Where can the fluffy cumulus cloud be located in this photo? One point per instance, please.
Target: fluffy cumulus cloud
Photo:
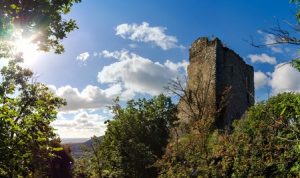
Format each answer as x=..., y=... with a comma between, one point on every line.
x=82, y=125
x=263, y=58
x=260, y=79
x=285, y=78
x=137, y=74
x=83, y=56
x=177, y=66
x=145, y=33
x=91, y=97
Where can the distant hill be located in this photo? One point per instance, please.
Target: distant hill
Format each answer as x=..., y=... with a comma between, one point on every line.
x=74, y=140
x=76, y=150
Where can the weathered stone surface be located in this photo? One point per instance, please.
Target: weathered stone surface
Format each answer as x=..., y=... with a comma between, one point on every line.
x=219, y=73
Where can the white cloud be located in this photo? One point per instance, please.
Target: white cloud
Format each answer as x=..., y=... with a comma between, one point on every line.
x=119, y=55
x=276, y=49
x=133, y=45
x=113, y=91
x=260, y=79
x=176, y=66
x=52, y=88
x=83, y=56
x=145, y=33
x=270, y=42
x=137, y=74
x=271, y=39
x=83, y=125
x=285, y=78
x=90, y=97
x=263, y=58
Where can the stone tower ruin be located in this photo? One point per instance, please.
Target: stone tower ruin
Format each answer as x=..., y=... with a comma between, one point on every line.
x=222, y=82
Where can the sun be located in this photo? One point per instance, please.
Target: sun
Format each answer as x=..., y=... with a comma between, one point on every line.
x=26, y=46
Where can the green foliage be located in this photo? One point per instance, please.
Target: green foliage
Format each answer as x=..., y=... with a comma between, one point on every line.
x=26, y=111
x=89, y=165
x=27, y=108
x=83, y=168
x=265, y=143
x=298, y=13
x=296, y=64
x=44, y=19
x=61, y=162
x=136, y=138
x=191, y=154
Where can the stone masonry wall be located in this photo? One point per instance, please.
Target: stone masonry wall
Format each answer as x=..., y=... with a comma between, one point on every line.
x=201, y=77
x=233, y=72
x=214, y=68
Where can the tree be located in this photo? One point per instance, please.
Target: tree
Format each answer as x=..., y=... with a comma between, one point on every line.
x=266, y=142
x=189, y=153
x=62, y=161
x=83, y=167
x=282, y=36
x=41, y=19
x=136, y=137
x=27, y=109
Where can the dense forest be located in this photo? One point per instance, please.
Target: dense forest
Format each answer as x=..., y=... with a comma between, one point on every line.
x=145, y=137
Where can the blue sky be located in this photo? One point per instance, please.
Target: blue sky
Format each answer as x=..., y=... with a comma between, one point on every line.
x=131, y=48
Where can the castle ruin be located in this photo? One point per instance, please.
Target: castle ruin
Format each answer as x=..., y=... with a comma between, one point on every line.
x=221, y=81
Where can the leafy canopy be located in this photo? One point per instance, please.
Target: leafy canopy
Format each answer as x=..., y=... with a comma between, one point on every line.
x=27, y=109
x=42, y=19
x=265, y=143
x=136, y=137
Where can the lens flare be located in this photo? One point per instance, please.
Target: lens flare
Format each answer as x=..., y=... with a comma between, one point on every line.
x=25, y=46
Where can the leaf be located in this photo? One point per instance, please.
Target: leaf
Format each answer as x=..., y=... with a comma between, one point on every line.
x=282, y=112
x=296, y=64
x=13, y=6
x=58, y=149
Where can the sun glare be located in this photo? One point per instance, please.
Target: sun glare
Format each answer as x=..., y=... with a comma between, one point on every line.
x=26, y=47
